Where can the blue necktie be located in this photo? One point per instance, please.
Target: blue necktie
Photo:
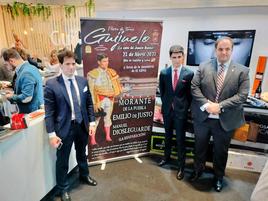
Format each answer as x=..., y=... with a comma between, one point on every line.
x=77, y=110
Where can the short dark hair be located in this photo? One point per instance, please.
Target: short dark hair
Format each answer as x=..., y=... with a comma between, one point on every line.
x=224, y=38
x=101, y=56
x=65, y=54
x=176, y=49
x=11, y=54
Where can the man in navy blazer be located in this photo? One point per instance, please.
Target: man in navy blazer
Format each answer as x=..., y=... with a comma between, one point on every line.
x=69, y=117
x=175, y=92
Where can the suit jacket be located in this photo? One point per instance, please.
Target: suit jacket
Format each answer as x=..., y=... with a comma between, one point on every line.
x=28, y=89
x=58, y=112
x=233, y=94
x=179, y=99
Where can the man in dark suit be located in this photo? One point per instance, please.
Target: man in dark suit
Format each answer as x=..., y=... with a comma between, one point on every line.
x=219, y=88
x=69, y=117
x=175, y=92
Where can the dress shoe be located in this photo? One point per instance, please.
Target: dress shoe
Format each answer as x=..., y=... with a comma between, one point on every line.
x=218, y=185
x=162, y=163
x=65, y=197
x=195, y=176
x=180, y=174
x=88, y=180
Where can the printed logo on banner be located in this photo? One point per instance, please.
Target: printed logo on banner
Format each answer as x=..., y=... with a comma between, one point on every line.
x=88, y=49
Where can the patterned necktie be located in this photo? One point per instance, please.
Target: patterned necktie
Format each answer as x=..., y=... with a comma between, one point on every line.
x=175, y=79
x=220, y=80
x=77, y=110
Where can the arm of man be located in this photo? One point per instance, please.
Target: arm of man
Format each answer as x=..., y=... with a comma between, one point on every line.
x=54, y=140
x=91, y=114
x=213, y=108
x=50, y=109
x=188, y=87
x=90, y=107
x=161, y=84
x=28, y=83
x=241, y=96
x=196, y=88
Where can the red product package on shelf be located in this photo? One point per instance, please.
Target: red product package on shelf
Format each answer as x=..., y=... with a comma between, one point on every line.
x=18, y=121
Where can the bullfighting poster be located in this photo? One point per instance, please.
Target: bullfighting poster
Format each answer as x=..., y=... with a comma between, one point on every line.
x=120, y=60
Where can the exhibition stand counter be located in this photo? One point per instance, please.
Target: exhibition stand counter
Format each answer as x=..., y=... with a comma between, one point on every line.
x=27, y=169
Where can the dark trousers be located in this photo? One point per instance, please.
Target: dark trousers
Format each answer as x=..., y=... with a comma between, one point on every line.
x=221, y=141
x=79, y=136
x=172, y=122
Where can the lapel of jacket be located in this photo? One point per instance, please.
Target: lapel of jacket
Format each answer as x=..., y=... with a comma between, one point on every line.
x=183, y=70
x=80, y=88
x=169, y=78
x=64, y=90
x=214, y=72
x=228, y=75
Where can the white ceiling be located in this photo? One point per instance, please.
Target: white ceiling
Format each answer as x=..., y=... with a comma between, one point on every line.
x=102, y=5
x=110, y=5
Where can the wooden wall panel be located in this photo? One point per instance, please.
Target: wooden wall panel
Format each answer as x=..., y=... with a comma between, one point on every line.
x=40, y=35
x=3, y=39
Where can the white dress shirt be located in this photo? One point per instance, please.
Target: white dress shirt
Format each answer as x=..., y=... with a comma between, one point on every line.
x=68, y=88
x=203, y=107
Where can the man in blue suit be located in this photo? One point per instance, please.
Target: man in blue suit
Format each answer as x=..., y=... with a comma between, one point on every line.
x=175, y=92
x=28, y=89
x=69, y=117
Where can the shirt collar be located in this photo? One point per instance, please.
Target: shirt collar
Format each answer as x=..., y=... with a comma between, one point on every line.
x=226, y=64
x=65, y=78
x=177, y=68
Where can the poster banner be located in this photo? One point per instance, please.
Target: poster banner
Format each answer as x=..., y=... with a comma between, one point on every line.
x=120, y=60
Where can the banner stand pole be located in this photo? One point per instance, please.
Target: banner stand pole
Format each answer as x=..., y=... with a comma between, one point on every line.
x=133, y=156
x=137, y=158
x=103, y=165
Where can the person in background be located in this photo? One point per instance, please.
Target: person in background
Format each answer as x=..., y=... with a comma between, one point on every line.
x=260, y=191
x=69, y=118
x=35, y=58
x=78, y=50
x=18, y=42
x=28, y=89
x=175, y=93
x=219, y=89
x=202, y=49
x=26, y=57
x=54, y=65
x=104, y=86
x=6, y=70
x=53, y=58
